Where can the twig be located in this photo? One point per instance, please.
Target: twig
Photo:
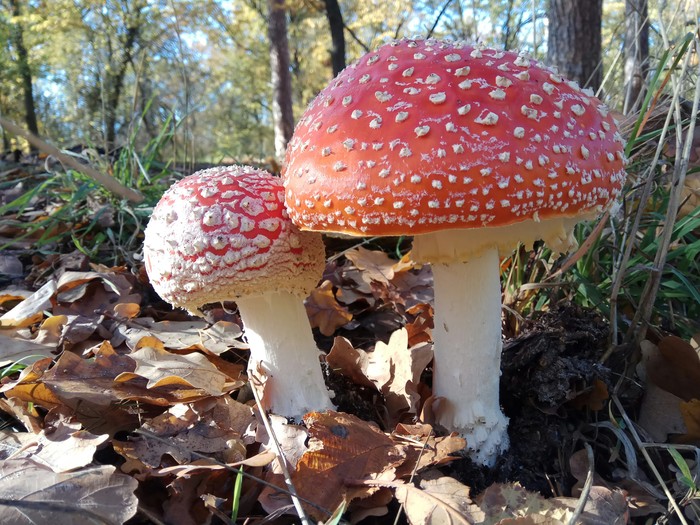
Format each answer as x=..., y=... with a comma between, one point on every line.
x=282, y=460
x=651, y=464
x=586, y=486
x=105, y=180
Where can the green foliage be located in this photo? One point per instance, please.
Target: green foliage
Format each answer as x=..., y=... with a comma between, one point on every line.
x=80, y=214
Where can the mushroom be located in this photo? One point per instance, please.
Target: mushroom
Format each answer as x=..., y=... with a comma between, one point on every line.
x=224, y=234
x=471, y=150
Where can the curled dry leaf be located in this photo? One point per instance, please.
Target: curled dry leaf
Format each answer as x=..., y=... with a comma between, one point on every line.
x=163, y=368
x=62, y=447
x=395, y=369
x=424, y=449
x=93, y=494
x=182, y=335
x=439, y=500
x=376, y=265
x=349, y=361
x=31, y=310
x=220, y=425
x=343, y=450
x=324, y=311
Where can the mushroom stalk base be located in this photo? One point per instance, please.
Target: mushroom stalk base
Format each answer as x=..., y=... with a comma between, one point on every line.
x=283, y=354
x=466, y=366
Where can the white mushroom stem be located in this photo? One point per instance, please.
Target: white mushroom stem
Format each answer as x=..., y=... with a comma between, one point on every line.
x=467, y=359
x=282, y=348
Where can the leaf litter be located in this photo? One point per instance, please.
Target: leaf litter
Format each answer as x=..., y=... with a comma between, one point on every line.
x=123, y=400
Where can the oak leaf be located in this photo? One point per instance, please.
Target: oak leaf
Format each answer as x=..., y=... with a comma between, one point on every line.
x=163, y=368
x=343, y=450
x=93, y=494
x=324, y=311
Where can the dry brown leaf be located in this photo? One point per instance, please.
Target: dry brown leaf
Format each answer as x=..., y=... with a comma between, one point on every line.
x=62, y=446
x=183, y=335
x=93, y=494
x=594, y=399
x=419, y=329
x=343, y=450
x=395, y=369
x=676, y=368
x=690, y=411
x=163, y=368
x=13, y=349
x=439, y=500
x=424, y=449
x=376, y=265
x=88, y=379
x=603, y=506
x=350, y=362
x=31, y=310
x=208, y=426
x=29, y=387
x=324, y=311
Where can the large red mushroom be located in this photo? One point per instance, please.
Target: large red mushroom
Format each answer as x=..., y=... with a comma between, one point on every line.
x=223, y=234
x=472, y=150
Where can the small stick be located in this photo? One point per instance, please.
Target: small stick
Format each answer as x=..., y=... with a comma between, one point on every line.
x=282, y=460
x=105, y=180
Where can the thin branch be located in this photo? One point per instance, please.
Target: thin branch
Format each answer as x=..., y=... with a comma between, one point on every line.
x=437, y=19
x=108, y=182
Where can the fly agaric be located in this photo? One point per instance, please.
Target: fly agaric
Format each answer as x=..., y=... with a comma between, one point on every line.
x=471, y=150
x=224, y=234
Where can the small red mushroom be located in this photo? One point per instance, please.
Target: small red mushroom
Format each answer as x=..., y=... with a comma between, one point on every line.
x=223, y=234
x=472, y=150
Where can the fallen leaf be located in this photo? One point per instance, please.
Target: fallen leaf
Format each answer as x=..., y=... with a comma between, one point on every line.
x=375, y=265
x=31, y=310
x=439, y=500
x=676, y=368
x=163, y=368
x=208, y=426
x=324, y=311
x=184, y=335
x=62, y=446
x=17, y=349
x=92, y=494
x=396, y=369
x=28, y=386
x=350, y=362
x=342, y=449
x=424, y=449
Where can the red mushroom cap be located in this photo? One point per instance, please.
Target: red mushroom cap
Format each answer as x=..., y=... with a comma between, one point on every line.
x=223, y=233
x=425, y=135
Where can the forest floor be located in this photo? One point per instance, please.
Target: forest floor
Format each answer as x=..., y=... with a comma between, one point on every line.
x=114, y=407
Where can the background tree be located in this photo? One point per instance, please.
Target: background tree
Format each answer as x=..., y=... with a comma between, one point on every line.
x=23, y=68
x=636, y=51
x=574, y=40
x=282, y=110
x=337, y=29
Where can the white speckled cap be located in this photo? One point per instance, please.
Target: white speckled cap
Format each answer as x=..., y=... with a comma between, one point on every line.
x=223, y=233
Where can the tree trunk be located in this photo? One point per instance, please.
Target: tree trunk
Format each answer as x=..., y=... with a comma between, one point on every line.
x=25, y=71
x=119, y=62
x=574, y=40
x=636, y=52
x=282, y=114
x=337, y=28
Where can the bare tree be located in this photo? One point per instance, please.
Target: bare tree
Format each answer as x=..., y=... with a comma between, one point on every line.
x=282, y=113
x=337, y=28
x=636, y=52
x=574, y=40
x=25, y=72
